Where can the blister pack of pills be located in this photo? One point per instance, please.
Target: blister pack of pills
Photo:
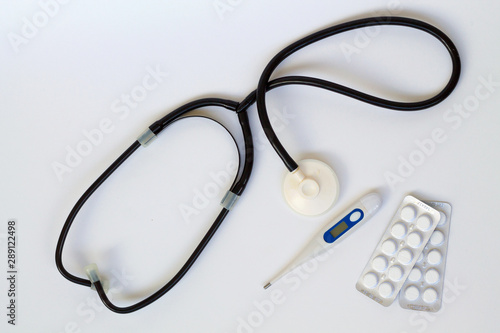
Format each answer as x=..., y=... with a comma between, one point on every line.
x=423, y=290
x=398, y=250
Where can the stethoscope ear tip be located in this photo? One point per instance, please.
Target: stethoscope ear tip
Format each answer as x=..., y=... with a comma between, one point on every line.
x=94, y=276
x=312, y=188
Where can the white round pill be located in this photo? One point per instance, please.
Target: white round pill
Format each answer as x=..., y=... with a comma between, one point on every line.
x=370, y=280
x=412, y=293
x=398, y=230
x=432, y=276
x=414, y=239
x=379, y=263
x=395, y=273
x=424, y=222
x=405, y=256
x=408, y=213
x=430, y=295
x=386, y=289
x=389, y=247
x=434, y=257
x=443, y=219
x=415, y=274
x=437, y=238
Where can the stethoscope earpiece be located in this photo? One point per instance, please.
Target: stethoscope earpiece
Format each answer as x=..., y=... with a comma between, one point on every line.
x=312, y=188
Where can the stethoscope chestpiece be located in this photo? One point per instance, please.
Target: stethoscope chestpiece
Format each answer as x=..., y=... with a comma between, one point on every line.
x=312, y=188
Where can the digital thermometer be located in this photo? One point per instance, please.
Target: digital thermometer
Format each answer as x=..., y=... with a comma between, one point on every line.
x=332, y=233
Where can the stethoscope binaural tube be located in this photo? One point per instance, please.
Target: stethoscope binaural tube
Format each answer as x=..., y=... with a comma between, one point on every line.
x=237, y=188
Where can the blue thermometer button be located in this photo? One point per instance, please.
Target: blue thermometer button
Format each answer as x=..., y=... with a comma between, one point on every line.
x=341, y=227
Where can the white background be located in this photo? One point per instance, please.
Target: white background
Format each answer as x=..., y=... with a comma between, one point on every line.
x=69, y=75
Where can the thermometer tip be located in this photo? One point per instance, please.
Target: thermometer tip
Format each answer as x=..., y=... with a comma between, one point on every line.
x=267, y=285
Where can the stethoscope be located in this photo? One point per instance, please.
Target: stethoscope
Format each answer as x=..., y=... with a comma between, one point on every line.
x=310, y=187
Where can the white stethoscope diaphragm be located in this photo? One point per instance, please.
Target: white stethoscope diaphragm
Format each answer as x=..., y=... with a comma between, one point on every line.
x=312, y=188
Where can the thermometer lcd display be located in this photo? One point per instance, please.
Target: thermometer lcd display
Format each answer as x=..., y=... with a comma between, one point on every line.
x=341, y=227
